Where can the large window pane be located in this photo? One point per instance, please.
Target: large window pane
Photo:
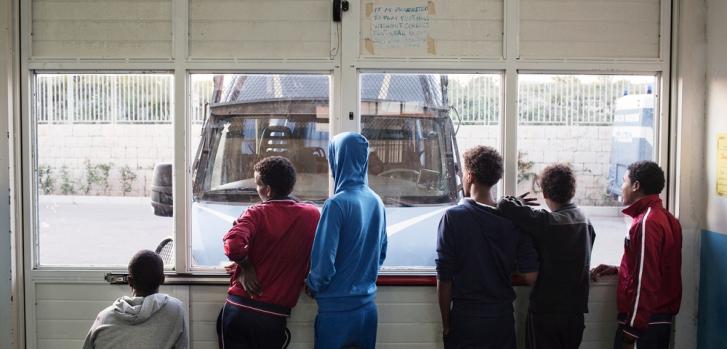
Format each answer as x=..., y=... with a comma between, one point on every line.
x=99, y=137
x=239, y=120
x=598, y=124
x=416, y=125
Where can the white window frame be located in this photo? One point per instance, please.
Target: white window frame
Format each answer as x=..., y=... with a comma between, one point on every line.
x=344, y=70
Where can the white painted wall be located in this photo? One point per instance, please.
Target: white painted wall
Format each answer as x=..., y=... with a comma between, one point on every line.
x=102, y=29
x=716, y=109
x=408, y=316
x=690, y=202
x=602, y=28
x=6, y=284
x=260, y=29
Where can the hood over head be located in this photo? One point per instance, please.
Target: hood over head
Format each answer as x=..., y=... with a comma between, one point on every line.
x=136, y=310
x=348, y=156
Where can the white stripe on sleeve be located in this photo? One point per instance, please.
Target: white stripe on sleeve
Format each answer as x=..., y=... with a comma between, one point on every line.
x=641, y=265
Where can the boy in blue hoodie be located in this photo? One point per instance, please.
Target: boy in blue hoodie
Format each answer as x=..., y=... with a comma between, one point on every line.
x=348, y=250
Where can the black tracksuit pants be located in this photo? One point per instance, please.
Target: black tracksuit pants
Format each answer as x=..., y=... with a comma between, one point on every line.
x=246, y=329
x=554, y=331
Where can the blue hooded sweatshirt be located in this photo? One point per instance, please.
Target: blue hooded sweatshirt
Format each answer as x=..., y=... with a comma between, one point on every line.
x=350, y=242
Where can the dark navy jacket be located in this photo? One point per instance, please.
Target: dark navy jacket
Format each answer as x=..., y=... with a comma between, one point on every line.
x=479, y=250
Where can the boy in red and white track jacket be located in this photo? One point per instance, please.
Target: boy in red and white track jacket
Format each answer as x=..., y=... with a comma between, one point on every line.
x=269, y=246
x=649, y=278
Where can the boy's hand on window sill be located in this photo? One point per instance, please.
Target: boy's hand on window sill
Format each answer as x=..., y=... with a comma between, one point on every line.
x=603, y=270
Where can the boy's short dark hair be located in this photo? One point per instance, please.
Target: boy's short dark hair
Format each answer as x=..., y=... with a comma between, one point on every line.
x=558, y=183
x=649, y=175
x=146, y=269
x=278, y=173
x=485, y=164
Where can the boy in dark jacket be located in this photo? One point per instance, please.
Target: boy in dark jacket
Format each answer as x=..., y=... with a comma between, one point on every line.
x=270, y=246
x=563, y=238
x=478, y=251
x=649, y=279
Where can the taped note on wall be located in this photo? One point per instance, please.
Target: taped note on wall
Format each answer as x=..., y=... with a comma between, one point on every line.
x=722, y=164
x=403, y=24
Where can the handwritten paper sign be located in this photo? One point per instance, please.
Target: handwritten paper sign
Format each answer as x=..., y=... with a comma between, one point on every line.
x=402, y=25
x=722, y=164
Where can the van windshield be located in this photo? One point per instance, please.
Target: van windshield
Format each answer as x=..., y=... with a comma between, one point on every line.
x=407, y=157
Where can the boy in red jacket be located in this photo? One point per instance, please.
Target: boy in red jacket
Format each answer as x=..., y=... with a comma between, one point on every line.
x=649, y=278
x=270, y=246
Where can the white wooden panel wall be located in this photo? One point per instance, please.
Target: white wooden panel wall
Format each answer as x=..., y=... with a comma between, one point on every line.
x=408, y=316
x=458, y=28
x=260, y=29
x=101, y=29
x=589, y=28
x=64, y=312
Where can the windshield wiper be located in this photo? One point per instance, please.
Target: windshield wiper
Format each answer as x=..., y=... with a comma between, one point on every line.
x=248, y=191
x=396, y=201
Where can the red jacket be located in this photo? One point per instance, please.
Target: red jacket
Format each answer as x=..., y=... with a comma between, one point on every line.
x=649, y=279
x=276, y=236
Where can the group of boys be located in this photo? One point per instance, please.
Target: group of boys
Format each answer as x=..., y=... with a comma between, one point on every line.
x=280, y=246
x=482, y=243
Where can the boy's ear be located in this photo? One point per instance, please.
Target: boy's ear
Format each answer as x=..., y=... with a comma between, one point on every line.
x=636, y=186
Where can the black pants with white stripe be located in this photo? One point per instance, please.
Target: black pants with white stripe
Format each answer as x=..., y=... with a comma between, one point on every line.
x=554, y=331
x=656, y=336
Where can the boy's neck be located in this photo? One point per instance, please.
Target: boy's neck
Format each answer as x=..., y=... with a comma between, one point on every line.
x=482, y=194
x=636, y=198
x=138, y=293
x=555, y=206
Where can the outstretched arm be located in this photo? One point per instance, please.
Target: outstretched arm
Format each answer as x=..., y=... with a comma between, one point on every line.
x=522, y=214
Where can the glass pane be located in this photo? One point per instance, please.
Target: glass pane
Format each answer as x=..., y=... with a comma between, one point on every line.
x=237, y=121
x=99, y=138
x=598, y=124
x=416, y=125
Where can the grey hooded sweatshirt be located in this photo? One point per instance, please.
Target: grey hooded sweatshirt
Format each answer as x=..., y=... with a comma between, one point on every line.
x=157, y=321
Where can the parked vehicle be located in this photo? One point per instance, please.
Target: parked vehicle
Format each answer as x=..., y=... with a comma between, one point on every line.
x=413, y=155
x=632, y=137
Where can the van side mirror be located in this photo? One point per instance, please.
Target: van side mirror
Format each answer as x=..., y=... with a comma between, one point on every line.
x=161, y=190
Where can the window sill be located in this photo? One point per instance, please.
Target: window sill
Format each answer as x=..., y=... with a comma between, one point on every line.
x=221, y=279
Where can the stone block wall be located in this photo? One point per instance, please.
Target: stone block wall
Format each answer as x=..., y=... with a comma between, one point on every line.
x=137, y=148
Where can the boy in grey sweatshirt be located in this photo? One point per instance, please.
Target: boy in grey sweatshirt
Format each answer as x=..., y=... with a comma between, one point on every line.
x=148, y=319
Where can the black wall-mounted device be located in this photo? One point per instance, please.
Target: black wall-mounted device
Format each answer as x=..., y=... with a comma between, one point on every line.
x=339, y=6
